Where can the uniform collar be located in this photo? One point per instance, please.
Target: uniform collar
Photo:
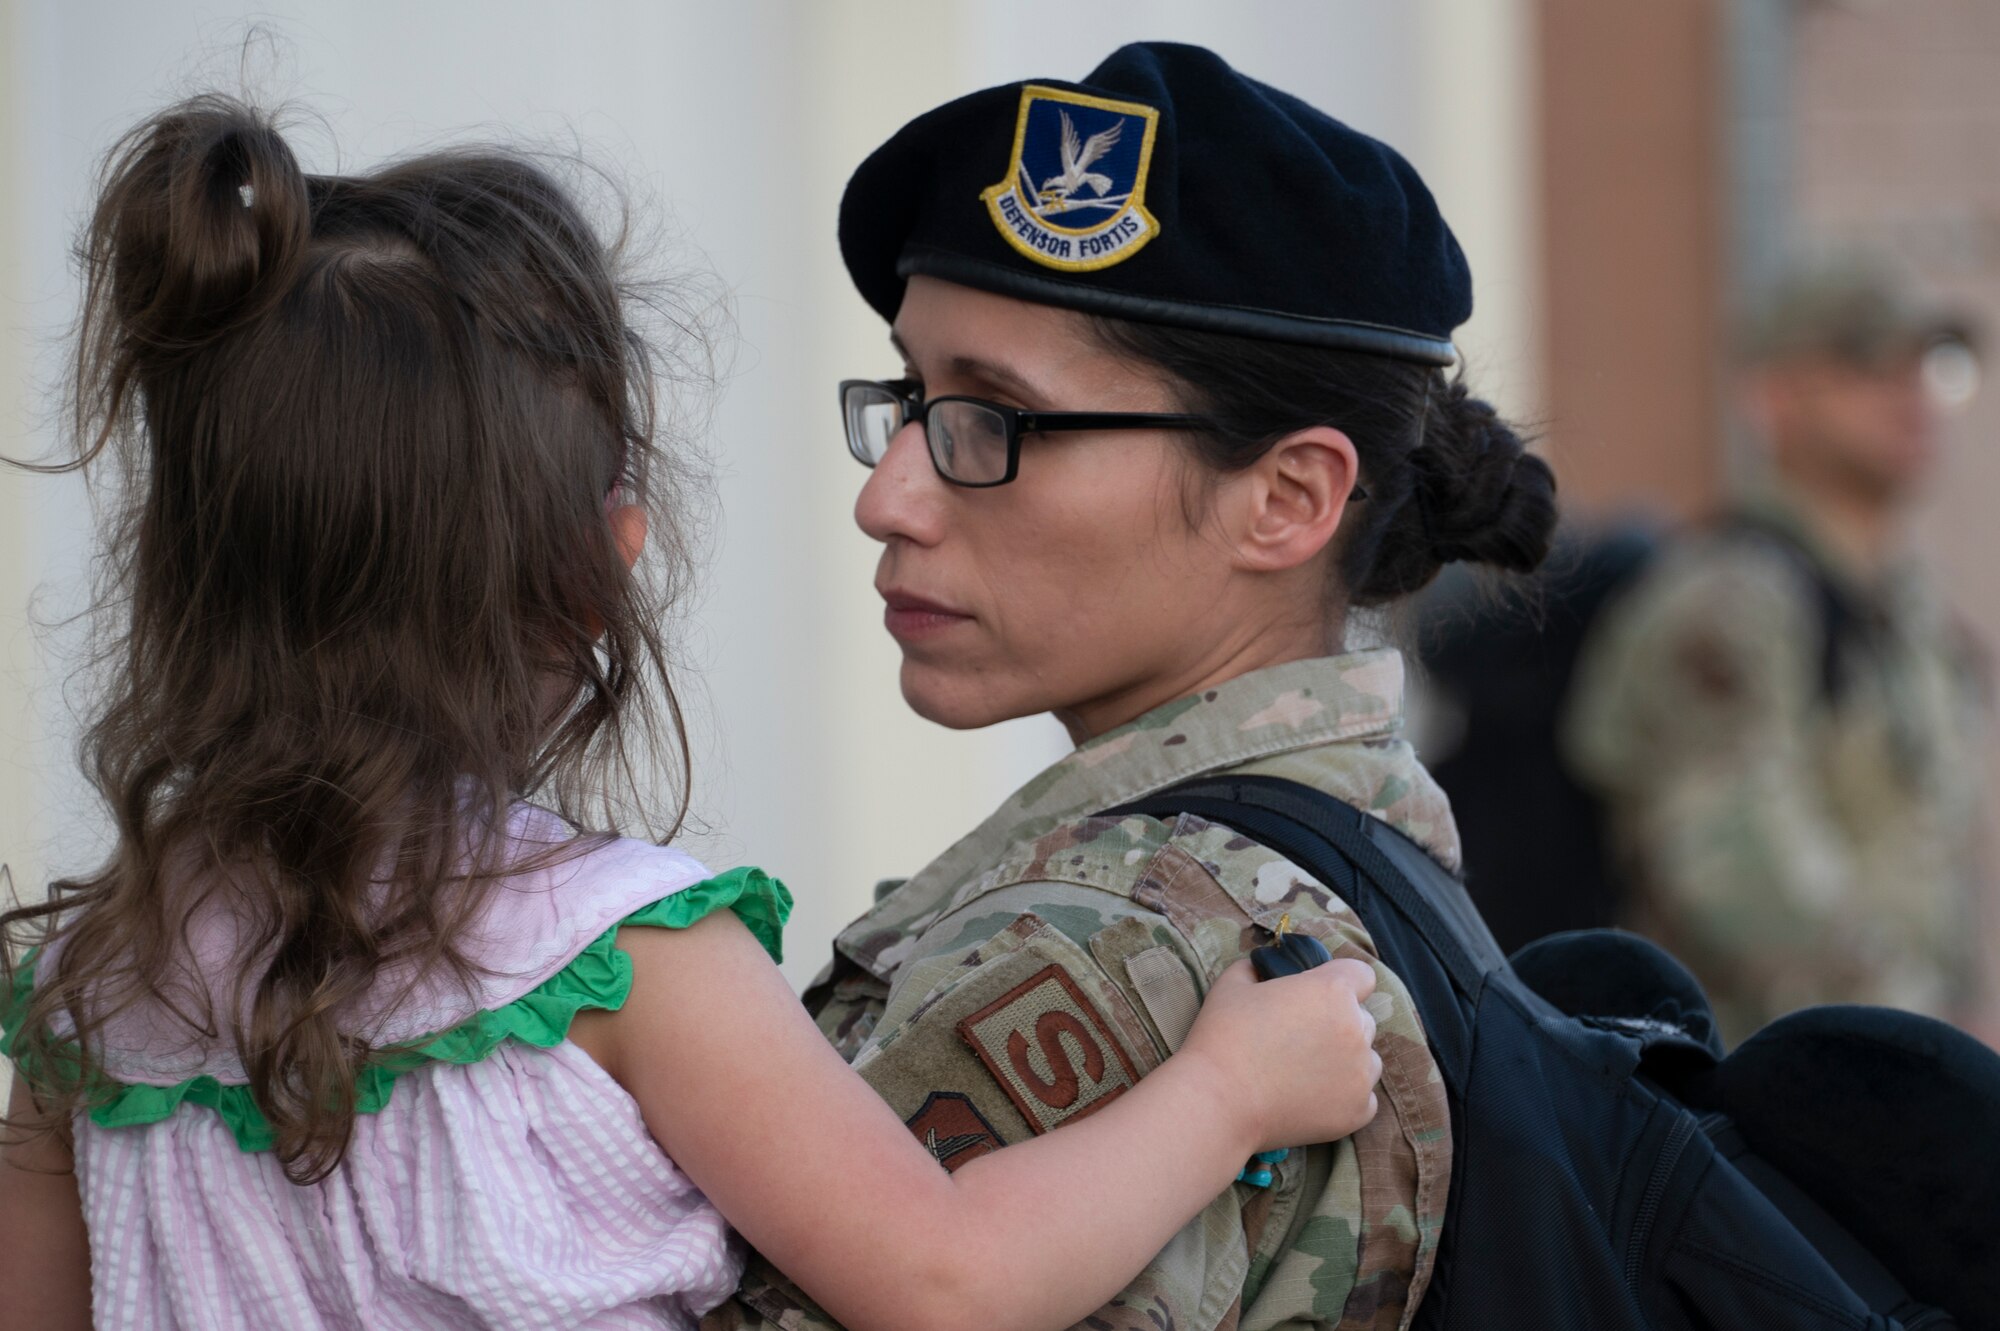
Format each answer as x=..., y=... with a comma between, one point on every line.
x=1297, y=705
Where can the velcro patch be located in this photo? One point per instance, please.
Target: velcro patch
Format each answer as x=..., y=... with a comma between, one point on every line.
x=1050, y=1049
x=953, y=1130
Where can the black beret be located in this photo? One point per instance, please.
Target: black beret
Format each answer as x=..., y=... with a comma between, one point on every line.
x=1165, y=188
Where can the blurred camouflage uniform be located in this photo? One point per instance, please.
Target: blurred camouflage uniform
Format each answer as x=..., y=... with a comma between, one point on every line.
x=1793, y=847
x=1045, y=962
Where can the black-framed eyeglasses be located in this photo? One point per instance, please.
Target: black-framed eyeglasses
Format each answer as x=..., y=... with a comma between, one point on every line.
x=973, y=442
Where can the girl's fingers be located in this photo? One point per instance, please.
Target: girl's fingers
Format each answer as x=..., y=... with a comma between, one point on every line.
x=1356, y=975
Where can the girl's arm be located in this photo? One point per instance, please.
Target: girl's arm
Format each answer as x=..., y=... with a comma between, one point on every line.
x=44, y=1253
x=798, y=1152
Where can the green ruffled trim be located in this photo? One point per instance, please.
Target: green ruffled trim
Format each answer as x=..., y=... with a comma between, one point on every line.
x=599, y=977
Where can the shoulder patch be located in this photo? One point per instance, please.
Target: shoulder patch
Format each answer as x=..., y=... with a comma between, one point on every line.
x=953, y=1130
x=1074, y=196
x=1050, y=1049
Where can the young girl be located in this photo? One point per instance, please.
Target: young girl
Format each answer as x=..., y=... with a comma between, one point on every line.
x=346, y=1033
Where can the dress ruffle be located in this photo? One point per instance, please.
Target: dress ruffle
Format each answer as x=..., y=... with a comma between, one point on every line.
x=600, y=977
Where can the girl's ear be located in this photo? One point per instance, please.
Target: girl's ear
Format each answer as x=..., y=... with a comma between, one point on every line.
x=628, y=531
x=1294, y=496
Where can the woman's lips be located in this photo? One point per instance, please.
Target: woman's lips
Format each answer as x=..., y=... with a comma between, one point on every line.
x=910, y=617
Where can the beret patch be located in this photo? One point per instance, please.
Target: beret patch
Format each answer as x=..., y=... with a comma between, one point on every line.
x=1074, y=196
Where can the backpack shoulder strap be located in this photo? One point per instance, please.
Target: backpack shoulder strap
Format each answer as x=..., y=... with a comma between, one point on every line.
x=1837, y=618
x=1425, y=927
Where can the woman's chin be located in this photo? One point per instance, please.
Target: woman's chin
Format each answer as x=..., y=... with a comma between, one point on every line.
x=960, y=701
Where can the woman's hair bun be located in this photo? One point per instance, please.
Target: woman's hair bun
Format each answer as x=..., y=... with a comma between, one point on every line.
x=1484, y=498
x=204, y=211
x=1475, y=495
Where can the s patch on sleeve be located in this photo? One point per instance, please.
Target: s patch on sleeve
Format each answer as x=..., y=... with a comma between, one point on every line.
x=1022, y=1033
x=1050, y=1049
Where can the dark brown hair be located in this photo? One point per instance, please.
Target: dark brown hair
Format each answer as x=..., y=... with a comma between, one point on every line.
x=1447, y=479
x=365, y=432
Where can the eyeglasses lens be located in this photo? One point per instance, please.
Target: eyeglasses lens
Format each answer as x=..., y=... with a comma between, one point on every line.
x=968, y=442
x=874, y=414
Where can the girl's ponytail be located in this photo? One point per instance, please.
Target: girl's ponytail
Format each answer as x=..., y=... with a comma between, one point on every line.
x=204, y=214
x=202, y=219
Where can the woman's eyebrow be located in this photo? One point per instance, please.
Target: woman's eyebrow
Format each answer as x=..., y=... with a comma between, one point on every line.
x=972, y=367
x=999, y=377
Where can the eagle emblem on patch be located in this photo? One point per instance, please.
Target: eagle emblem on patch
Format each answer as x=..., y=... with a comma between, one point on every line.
x=1050, y=1049
x=1074, y=196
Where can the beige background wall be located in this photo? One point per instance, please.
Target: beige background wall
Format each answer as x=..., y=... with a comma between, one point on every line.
x=743, y=119
x=1630, y=127
x=22, y=818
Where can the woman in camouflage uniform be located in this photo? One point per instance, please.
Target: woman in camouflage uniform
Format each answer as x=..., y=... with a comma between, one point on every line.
x=1253, y=304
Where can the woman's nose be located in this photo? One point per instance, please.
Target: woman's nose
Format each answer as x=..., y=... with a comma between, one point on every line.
x=903, y=496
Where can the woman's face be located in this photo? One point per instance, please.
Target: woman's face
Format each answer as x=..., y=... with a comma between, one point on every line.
x=1081, y=587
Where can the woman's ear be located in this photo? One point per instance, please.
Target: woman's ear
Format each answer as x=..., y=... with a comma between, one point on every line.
x=1291, y=500
x=628, y=531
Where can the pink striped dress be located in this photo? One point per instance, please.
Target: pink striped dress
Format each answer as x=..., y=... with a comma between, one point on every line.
x=499, y=1179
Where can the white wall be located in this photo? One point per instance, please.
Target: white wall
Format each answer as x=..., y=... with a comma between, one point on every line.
x=21, y=818
x=744, y=120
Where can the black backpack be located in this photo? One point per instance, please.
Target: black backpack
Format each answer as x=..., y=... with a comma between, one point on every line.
x=1610, y=1169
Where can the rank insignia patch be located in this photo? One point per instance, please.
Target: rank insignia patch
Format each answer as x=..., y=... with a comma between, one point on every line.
x=953, y=1130
x=1074, y=196
x=1050, y=1049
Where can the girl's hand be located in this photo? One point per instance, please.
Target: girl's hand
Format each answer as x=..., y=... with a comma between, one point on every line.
x=1292, y=1056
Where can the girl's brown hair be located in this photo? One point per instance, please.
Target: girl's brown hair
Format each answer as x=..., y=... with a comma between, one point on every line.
x=366, y=430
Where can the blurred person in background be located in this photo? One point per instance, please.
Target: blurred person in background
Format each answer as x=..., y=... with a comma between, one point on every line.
x=1786, y=722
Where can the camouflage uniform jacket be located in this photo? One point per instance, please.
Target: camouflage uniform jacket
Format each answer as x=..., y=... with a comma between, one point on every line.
x=1793, y=848
x=1042, y=964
